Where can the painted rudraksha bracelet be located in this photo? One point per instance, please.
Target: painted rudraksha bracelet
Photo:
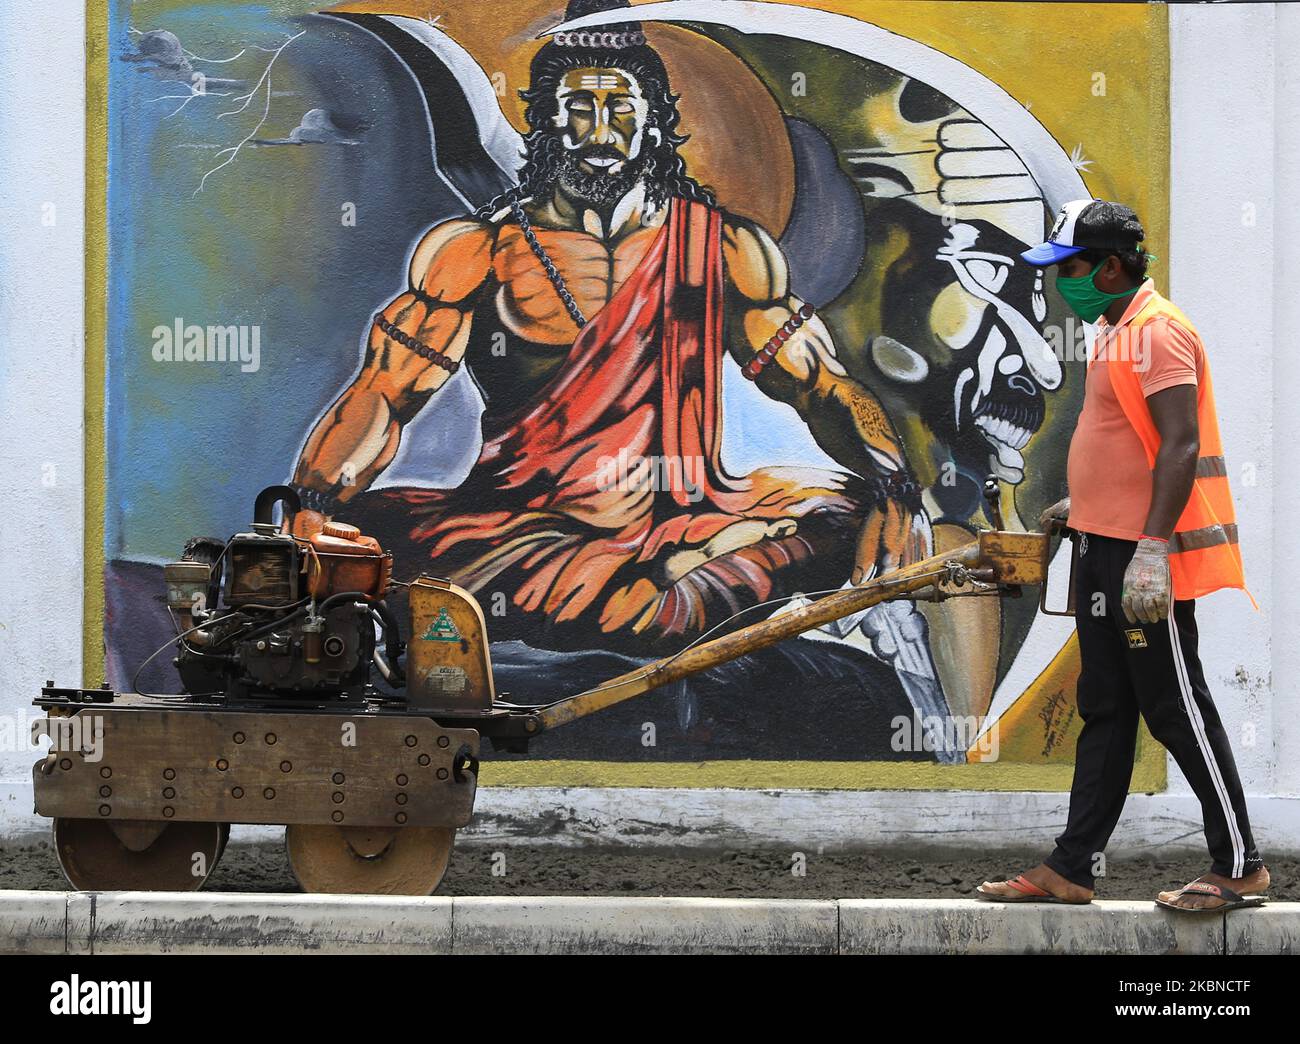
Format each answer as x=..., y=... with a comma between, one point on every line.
x=768, y=352
x=315, y=500
x=419, y=347
x=896, y=486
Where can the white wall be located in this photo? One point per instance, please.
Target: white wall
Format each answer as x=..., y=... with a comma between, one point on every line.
x=1285, y=219
x=1235, y=102
x=42, y=106
x=1222, y=160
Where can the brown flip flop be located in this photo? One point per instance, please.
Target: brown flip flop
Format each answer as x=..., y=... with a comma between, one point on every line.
x=1029, y=893
x=1231, y=900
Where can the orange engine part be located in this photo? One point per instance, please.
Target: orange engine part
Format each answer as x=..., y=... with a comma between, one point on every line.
x=339, y=558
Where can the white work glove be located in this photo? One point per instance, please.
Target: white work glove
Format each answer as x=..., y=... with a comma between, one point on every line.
x=1060, y=511
x=1147, y=582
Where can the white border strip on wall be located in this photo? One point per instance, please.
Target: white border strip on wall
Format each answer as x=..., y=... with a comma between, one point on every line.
x=42, y=339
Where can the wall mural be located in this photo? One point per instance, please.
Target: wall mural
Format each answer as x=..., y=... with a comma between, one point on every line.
x=359, y=248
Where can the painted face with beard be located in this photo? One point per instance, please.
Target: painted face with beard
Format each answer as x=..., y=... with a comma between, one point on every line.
x=601, y=120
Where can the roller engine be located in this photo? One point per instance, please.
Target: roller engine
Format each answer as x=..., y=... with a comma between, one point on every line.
x=270, y=616
x=279, y=722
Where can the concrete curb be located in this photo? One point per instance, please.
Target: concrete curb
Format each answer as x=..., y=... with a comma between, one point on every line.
x=576, y=924
x=198, y=922
x=215, y=922
x=964, y=926
x=34, y=922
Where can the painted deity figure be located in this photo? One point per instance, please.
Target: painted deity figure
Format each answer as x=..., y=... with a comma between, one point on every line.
x=594, y=306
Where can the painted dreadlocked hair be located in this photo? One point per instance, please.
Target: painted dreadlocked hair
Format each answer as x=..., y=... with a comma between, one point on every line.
x=665, y=170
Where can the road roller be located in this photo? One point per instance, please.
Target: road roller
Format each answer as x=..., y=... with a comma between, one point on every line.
x=280, y=721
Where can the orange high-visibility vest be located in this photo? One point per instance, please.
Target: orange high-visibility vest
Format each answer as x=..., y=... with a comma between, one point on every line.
x=1203, y=551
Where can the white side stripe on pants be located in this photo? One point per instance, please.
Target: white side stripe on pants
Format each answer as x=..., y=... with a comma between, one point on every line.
x=1202, y=741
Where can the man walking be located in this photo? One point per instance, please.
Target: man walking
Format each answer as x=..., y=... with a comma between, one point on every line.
x=1152, y=513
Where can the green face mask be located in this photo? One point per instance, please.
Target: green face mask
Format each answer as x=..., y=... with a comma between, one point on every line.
x=1082, y=295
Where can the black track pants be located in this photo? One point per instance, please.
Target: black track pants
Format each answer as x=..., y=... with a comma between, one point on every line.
x=1152, y=669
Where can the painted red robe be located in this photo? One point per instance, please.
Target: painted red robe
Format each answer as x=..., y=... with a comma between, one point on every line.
x=584, y=547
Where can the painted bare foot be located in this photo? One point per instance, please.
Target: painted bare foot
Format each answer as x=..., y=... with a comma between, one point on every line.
x=733, y=538
x=1252, y=884
x=1042, y=884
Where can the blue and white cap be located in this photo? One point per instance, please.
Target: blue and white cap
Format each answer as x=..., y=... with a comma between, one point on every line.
x=1087, y=224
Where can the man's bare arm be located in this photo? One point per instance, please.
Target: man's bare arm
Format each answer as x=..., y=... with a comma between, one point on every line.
x=1148, y=585
x=1174, y=412
x=414, y=346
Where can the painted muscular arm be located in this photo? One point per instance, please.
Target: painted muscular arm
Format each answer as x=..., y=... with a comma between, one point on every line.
x=845, y=418
x=358, y=436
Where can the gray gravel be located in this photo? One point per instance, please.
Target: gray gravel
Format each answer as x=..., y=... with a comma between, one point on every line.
x=549, y=870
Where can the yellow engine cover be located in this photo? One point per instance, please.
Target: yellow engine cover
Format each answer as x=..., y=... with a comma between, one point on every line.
x=447, y=660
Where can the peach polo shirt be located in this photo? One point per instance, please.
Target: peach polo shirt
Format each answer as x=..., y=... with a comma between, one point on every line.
x=1109, y=480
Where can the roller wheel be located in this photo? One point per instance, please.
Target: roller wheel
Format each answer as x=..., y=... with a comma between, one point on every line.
x=100, y=855
x=361, y=860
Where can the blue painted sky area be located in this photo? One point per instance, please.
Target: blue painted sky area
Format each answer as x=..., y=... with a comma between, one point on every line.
x=263, y=244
